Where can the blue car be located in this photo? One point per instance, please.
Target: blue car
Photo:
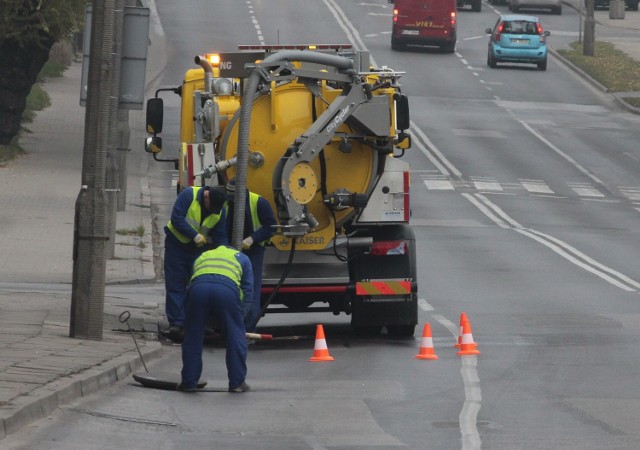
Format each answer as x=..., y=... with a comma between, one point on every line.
x=517, y=39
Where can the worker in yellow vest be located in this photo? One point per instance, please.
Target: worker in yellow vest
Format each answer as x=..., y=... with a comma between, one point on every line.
x=222, y=280
x=258, y=229
x=197, y=223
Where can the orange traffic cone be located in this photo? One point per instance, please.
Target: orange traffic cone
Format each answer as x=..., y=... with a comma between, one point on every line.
x=426, y=346
x=463, y=317
x=320, y=350
x=467, y=345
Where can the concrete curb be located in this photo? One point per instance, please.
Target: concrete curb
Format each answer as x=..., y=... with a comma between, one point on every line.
x=615, y=96
x=43, y=401
x=595, y=83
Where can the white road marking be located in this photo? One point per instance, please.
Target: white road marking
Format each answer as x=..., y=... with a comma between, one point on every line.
x=536, y=186
x=439, y=185
x=632, y=193
x=570, y=253
x=585, y=190
x=487, y=186
x=424, y=305
x=561, y=153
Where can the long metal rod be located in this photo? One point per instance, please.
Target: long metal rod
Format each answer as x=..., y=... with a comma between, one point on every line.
x=124, y=318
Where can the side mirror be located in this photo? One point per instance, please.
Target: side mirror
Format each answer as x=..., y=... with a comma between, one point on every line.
x=547, y=33
x=154, y=115
x=153, y=144
x=488, y=31
x=402, y=112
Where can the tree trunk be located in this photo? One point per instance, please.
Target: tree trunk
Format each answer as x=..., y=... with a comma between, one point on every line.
x=19, y=69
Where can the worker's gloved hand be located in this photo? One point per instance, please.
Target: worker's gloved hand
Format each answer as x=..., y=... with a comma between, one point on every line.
x=246, y=244
x=199, y=240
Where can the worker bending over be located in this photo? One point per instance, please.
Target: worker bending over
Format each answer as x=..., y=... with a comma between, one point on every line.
x=197, y=222
x=257, y=232
x=222, y=279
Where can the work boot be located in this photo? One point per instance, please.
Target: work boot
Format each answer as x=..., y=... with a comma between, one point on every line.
x=244, y=387
x=176, y=333
x=180, y=387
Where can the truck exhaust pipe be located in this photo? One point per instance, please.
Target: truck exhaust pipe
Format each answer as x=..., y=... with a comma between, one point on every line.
x=208, y=72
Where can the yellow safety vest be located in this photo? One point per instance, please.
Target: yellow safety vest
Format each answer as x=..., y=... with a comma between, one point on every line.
x=194, y=216
x=220, y=261
x=253, y=207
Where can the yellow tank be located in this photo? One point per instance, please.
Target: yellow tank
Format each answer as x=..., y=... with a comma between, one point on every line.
x=277, y=119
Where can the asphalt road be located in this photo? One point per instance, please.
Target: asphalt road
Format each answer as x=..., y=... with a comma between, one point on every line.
x=525, y=201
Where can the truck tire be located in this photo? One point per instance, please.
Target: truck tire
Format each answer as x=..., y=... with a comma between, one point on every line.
x=399, y=315
x=401, y=330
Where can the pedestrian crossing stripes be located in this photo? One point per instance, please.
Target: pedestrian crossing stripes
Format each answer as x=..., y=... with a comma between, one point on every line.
x=536, y=186
x=585, y=190
x=438, y=182
x=632, y=193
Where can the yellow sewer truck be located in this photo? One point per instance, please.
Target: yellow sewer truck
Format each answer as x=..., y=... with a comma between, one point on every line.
x=320, y=134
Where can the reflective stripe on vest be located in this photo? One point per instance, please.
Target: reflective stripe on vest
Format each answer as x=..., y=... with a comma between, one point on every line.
x=253, y=208
x=193, y=218
x=221, y=261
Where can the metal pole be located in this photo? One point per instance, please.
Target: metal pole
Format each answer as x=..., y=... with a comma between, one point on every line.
x=124, y=135
x=113, y=170
x=580, y=11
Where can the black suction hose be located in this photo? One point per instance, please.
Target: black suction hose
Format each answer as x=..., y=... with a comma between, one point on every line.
x=277, y=288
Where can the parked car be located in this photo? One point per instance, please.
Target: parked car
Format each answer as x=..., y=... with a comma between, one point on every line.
x=476, y=5
x=554, y=5
x=517, y=39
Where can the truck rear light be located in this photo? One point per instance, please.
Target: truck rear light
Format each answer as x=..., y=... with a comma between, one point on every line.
x=386, y=248
x=395, y=15
x=453, y=19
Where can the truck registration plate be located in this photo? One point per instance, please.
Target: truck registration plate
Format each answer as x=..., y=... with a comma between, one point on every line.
x=411, y=32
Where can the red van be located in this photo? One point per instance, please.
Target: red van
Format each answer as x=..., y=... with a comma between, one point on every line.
x=424, y=22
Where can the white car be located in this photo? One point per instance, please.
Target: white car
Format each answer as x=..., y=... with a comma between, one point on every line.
x=554, y=5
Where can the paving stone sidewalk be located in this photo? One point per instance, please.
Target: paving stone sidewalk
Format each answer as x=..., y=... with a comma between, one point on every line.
x=41, y=367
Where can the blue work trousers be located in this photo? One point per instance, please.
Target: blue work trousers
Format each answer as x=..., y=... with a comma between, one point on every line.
x=178, y=266
x=214, y=295
x=252, y=305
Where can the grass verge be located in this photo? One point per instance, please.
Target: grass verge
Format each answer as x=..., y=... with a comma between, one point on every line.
x=612, y=68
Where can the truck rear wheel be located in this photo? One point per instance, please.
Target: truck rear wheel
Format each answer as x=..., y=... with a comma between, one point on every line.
x=401, y=330
x=398, y=313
